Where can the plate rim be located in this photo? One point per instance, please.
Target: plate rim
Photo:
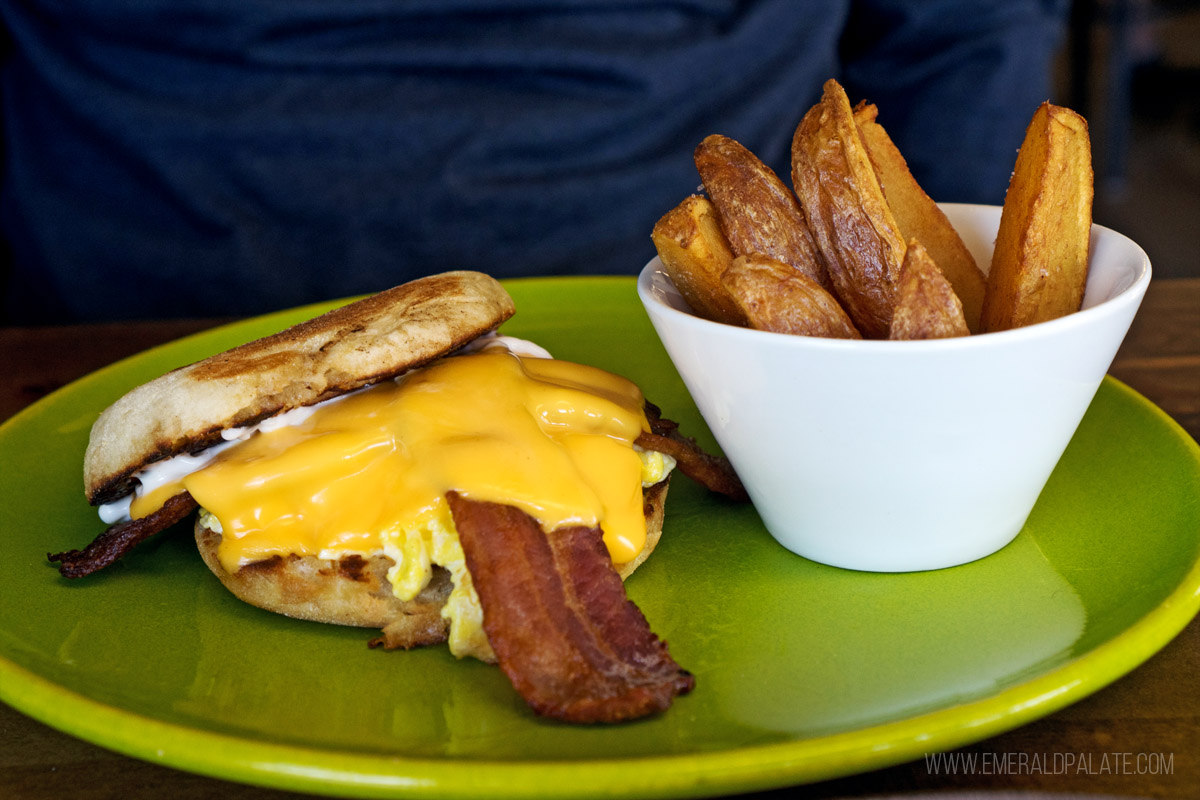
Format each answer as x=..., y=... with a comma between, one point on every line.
x=747, y=768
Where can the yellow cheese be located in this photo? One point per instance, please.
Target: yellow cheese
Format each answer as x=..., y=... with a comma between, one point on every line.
x=370, y=473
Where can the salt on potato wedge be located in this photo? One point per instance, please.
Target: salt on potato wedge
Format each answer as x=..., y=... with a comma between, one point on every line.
x=1039, y=267
x=695, y=253
x=847, y=212
x=758, y=213
x=919, y=216
x=777, y=297
x=927, y=306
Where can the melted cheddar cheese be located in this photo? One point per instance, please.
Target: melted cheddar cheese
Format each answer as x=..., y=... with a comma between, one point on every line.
x=369, y=474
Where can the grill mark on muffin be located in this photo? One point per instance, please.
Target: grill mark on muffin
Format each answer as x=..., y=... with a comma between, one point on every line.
x=265, y=565
x=351, y=567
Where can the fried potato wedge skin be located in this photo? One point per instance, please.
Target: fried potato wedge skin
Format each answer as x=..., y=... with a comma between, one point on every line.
x=927, y=306
x=777, y=297
x=1039, y=267
x=757, y=211
x=847, y=212
x=919, y=216
x=695, y=253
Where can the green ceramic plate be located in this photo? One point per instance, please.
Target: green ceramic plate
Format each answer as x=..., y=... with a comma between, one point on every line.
x=803, y=672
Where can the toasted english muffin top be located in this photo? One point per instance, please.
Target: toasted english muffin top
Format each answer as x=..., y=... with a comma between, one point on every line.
x=367, y=341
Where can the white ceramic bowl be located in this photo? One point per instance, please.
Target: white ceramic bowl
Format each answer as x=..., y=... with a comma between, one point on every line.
x=900, y=456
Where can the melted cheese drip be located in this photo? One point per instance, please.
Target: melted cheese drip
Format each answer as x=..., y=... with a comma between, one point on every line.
x=549, y=437
x=369, y=474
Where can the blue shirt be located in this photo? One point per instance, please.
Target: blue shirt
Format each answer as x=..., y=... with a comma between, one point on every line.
x=227, y=157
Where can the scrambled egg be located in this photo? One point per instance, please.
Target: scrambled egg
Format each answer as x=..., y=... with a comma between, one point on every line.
x=655, y=465
x=432, y=539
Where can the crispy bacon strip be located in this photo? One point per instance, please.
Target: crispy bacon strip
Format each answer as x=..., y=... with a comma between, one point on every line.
x=121, y=538
x=714, y=473
x=556, y=614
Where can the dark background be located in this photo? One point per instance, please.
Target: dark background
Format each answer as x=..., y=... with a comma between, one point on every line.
x=1132, y=67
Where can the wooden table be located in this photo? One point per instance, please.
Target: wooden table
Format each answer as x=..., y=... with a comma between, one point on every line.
x=1153, y=710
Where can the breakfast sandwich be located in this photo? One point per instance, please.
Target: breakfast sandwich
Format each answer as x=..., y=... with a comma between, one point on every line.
x=397, y=464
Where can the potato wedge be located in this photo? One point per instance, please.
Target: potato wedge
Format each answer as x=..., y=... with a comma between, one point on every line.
x=919, y=216
x=926, y=304
x=757, y=211
x=695, y=253
x=777, y=297
x=1039, y=267
x=846, y=210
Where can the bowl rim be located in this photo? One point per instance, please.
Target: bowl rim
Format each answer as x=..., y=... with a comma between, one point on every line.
x=1096, y=315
